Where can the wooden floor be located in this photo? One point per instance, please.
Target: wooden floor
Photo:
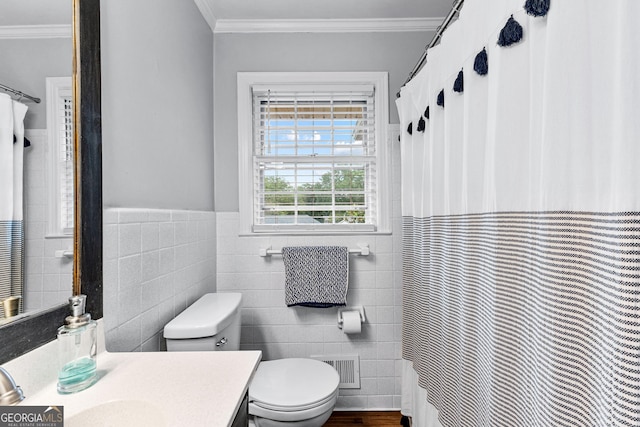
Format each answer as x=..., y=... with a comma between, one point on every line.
x=366, y=419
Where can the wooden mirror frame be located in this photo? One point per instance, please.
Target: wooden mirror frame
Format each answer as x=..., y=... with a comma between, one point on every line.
x=29, y=333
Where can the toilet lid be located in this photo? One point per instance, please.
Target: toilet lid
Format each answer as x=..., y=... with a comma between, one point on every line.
x=293, y=384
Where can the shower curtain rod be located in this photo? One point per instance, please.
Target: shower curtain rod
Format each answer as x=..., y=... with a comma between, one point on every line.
x=20, y=94
x=455, y=9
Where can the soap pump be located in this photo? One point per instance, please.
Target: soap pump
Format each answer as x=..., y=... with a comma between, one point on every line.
x=77, y=343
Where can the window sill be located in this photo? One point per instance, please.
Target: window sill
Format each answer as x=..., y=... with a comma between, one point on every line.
x=314, y=233
x=58, y=236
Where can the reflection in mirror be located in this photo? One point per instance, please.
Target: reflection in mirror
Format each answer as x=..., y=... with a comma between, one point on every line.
x=35, y=329
x=36, y=200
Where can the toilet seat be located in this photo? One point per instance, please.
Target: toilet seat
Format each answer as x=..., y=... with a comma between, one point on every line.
x=293, y=389
x=297, y=415
x=280, y=408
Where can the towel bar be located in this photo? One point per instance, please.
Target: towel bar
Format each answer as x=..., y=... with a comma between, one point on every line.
x=363, y=250
x=64, y=254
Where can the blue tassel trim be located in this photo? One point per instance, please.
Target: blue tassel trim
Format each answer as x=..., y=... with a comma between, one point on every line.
x=441, y=98
x=421, y=125
x=410, y=128
x=481, y=63
x=511, y=33
x=458, y=85
x=537, y=7
x=426, y=113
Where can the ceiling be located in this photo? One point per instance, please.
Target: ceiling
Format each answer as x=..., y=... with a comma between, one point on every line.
x=328, y=9
x=58, y=12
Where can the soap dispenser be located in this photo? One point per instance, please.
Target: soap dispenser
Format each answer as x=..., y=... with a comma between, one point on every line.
x=77, y=343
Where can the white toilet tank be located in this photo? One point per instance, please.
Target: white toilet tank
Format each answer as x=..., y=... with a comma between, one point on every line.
x=212, y=323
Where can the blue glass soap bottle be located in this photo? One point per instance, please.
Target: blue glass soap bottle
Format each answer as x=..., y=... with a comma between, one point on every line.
x=77, y=344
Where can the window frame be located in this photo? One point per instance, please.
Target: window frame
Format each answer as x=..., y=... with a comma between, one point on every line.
x=56, y=89
x=314, y=81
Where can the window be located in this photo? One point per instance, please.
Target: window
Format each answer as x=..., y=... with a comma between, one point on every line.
x=60, y=153
x=312, y=152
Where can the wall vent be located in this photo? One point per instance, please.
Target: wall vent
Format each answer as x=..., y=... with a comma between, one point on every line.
x=348, y=367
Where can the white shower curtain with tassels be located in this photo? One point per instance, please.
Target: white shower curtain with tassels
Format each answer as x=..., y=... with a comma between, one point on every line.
x=12, y=114
x=521, y=221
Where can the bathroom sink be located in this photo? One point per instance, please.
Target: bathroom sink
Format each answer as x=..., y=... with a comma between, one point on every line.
x=119, y=413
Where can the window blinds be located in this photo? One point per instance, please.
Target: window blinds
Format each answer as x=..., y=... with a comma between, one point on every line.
x=65, y=162
x=314, y=157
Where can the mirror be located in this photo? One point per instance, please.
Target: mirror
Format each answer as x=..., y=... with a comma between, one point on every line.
x=37, y=52
x=33, y=330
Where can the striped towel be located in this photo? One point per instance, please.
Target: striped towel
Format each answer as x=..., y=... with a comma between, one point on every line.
x=316, y=276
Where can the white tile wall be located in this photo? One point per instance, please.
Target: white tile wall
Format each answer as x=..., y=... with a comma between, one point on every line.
x=156, y=263
x=48, y=280
x=279, y=331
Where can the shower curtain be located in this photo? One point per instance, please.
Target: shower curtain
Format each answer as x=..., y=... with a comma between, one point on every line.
x=11, y=181
x=521, y=219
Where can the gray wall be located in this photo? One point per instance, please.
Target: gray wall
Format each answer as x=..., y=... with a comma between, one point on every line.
x=157, y=105
x=25, y=65
x=395, y=53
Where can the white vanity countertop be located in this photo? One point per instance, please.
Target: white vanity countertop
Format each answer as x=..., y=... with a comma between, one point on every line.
x=189, y=388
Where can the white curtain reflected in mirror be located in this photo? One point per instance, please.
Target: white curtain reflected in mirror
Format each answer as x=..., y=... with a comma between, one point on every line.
x=36, y=52
x=12, y=144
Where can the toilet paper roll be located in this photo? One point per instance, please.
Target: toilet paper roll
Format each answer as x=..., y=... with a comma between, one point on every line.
x=351, y=322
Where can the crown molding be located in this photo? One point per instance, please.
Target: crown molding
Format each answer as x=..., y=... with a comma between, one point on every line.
x=35, y=31
x=207, y=12
x=325, y=25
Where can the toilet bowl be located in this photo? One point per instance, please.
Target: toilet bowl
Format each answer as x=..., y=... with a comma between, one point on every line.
x=291, y=392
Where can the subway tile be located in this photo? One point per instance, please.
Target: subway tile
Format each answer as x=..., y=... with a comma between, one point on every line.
x=268, y=325
x=368, y=386
x=35, y=231
x=32, y=300
x=385, y=368
x=380, y=402
x=34, y=248
x=158, y=215
x=110, y=216
x=384, y=244
x=129, y=303
x=50, y=282
x=151, y=345
x=386, y=386
x=34, y=283
x=351, y=402
x=127, y=216
x=368, y=368
x=385, y=314
x=298, y=350
x=128, y=336
x=129, y=239
x=182, y=258
x=149, y=323
x=179, y=216
x=167, y=234
x=384, y=296
x=180, y=233
x=52, y=265
x=150, y=236
x=129, y=271
x=150, y=294
x=34, y=265
x=167, y=260
x=150, y=265
x=271, y=334
x=384, y=279
x=397, y=401
x=110, y=241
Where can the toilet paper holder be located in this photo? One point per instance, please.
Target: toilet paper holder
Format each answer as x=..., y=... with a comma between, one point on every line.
x=358, y=308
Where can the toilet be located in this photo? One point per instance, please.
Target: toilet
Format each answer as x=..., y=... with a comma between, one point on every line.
x=291, y=392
